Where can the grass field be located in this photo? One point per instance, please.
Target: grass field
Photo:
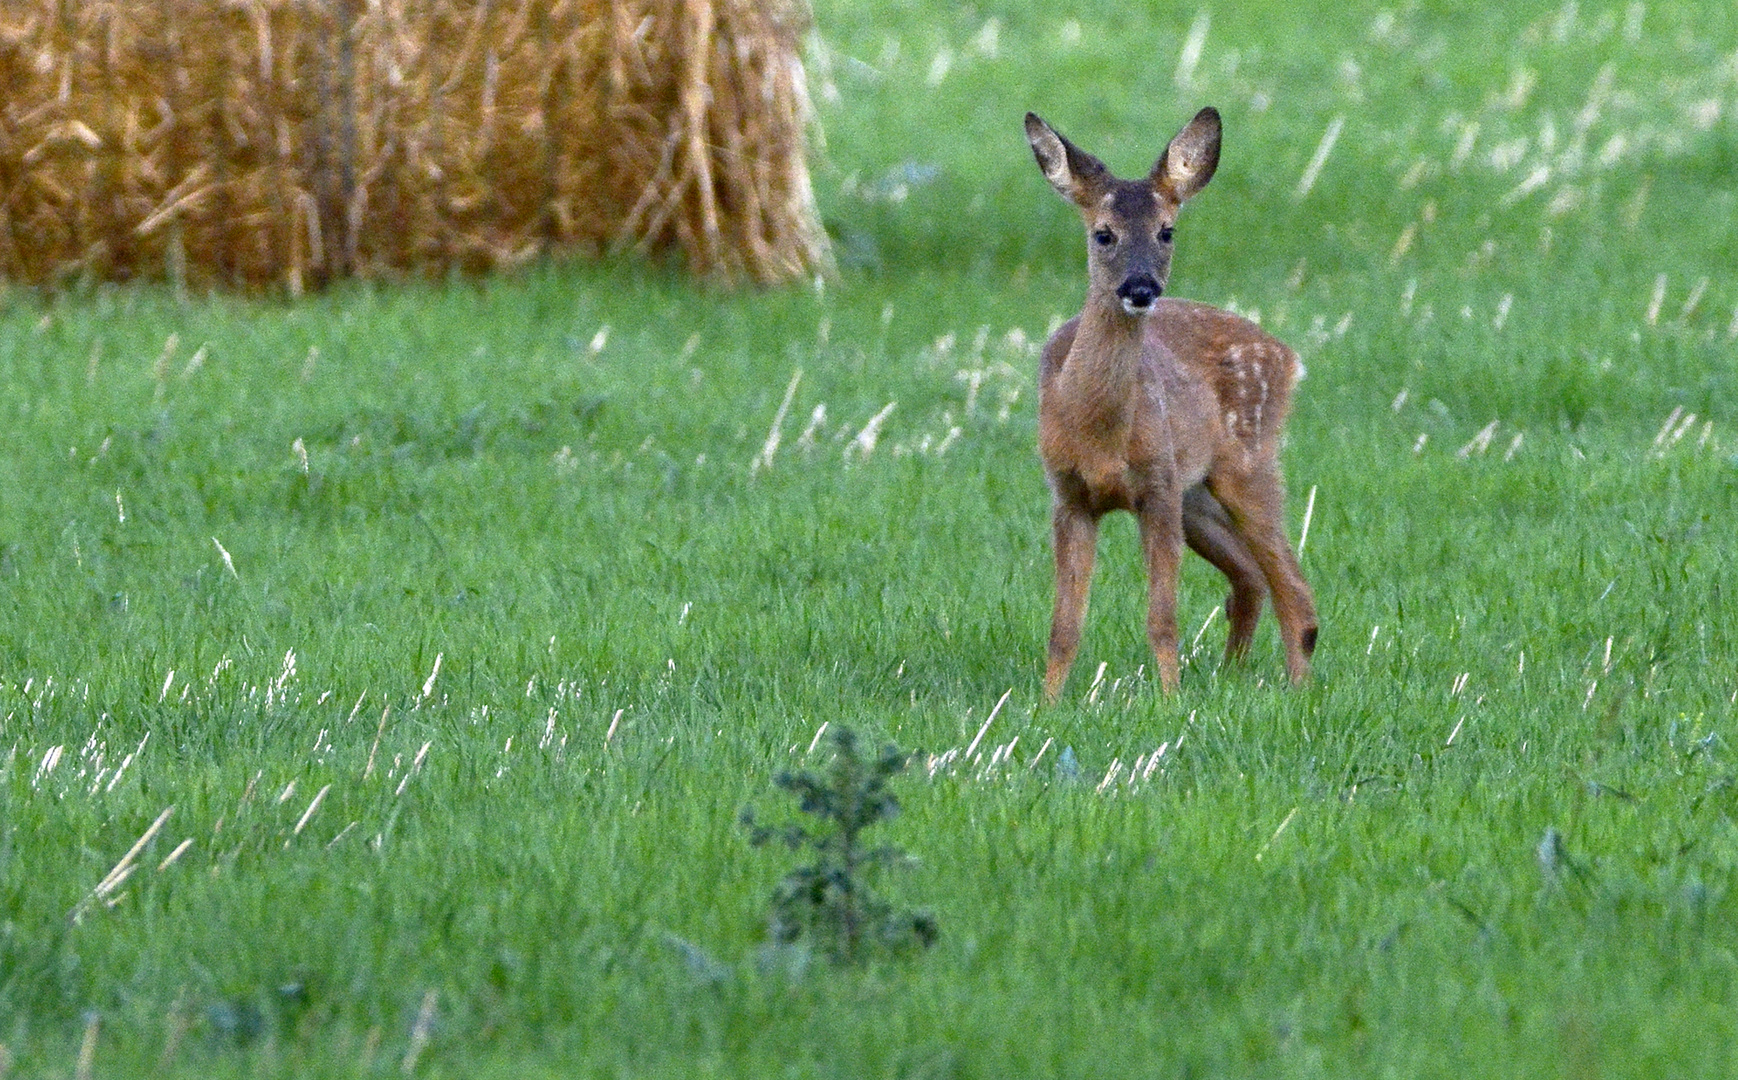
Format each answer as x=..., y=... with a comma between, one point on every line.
x=433, y=636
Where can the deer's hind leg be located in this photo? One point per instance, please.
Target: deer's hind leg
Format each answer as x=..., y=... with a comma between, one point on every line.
x=1255, y=500
x=1208, y=530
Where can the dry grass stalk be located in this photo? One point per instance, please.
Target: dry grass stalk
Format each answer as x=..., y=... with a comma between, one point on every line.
x=291, y=142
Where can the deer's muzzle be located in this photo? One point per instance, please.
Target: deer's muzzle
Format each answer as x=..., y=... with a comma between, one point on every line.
x=1138, y=292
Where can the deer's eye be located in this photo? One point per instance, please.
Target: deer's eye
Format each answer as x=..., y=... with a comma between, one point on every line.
x=1104, y=238
x=1166, y=233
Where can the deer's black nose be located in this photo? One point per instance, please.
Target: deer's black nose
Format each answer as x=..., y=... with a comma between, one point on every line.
x=1138, y=291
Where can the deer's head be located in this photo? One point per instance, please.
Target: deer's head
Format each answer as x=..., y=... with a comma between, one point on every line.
x=1129, y=223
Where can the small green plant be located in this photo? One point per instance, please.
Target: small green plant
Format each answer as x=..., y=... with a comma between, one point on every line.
x=830, y=900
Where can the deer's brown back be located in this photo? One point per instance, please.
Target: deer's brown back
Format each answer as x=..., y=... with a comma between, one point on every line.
x=1250, y=371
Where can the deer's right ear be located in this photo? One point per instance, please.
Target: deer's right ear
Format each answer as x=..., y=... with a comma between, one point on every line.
x=1191, y=158
x=1073, y=172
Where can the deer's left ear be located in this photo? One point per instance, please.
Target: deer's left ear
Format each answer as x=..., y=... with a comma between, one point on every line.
x=1190, y=159
x=1075, y=174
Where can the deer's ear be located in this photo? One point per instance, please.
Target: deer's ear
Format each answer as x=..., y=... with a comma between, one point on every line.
x=1190, y=159
x=1075, y=174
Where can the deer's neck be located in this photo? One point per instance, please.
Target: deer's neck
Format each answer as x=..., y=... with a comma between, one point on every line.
x=1103, y=369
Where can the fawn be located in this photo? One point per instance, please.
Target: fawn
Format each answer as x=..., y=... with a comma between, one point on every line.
x=1166, y=408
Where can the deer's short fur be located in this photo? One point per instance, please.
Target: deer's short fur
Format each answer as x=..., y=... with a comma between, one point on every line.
x=1165, y=408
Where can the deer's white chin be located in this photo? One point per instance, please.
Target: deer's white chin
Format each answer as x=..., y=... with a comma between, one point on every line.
x=1137, y=310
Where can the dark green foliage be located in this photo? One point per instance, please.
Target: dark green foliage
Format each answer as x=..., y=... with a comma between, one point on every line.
x=830, y=901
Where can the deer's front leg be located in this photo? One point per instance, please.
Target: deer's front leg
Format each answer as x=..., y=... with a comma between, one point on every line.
x=1075, y=538
x=1161, y=522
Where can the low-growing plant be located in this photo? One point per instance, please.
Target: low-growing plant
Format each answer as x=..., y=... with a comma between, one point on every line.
x=830, y=901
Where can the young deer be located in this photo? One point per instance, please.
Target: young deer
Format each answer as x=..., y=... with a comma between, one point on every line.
x=1166, y=408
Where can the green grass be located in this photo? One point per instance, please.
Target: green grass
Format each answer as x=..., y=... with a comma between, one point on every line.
x=1527, y=630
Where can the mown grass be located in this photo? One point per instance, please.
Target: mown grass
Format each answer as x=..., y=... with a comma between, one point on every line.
x=245, y=571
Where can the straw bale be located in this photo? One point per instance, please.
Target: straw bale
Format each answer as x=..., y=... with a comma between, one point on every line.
x=291, y=142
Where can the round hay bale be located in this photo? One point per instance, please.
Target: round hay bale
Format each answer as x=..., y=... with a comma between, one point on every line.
x=252, y=142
